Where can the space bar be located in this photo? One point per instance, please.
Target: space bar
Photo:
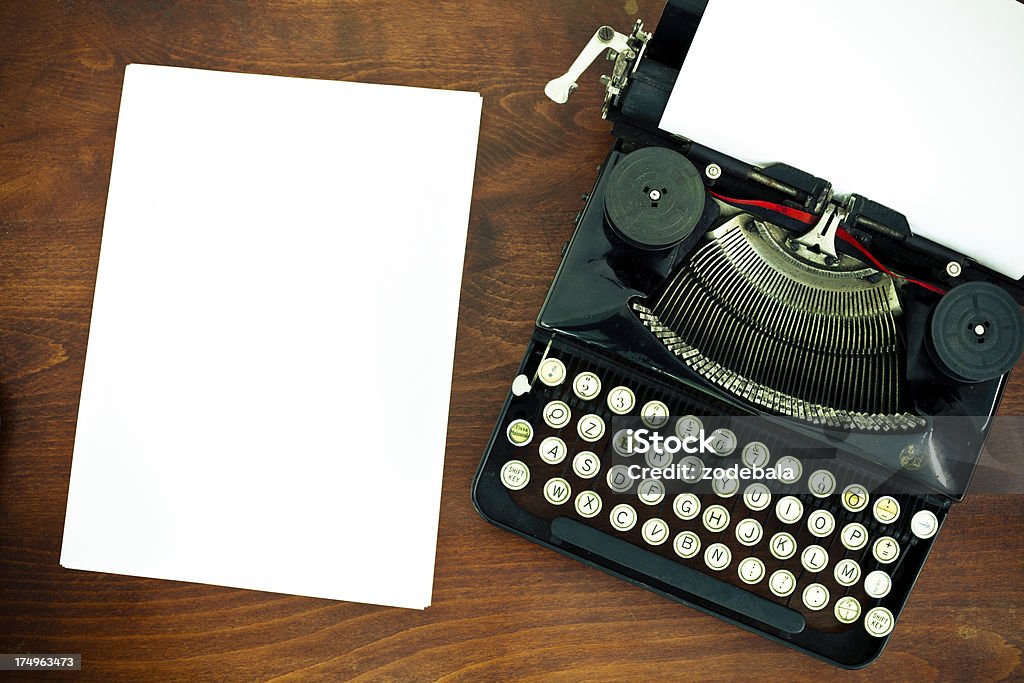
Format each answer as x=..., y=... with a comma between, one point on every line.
x=678, y=576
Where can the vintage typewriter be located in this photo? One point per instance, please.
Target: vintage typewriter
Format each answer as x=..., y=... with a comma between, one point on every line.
x=763, y=324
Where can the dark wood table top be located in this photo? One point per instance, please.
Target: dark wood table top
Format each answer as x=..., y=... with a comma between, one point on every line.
x=502, y=607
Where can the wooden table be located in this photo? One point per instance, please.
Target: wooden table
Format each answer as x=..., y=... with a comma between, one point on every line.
x=502, y=606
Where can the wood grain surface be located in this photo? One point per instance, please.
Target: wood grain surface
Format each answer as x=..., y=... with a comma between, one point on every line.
x=503, y=608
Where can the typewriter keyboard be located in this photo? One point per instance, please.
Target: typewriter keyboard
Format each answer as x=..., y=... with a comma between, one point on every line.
x=817, y=540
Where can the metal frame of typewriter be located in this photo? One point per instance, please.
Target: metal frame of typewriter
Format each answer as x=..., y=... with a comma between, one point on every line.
x=589, y=311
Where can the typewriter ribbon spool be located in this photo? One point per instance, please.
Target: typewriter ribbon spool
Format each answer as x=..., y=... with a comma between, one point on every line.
x=976, y=332
x=655, y=199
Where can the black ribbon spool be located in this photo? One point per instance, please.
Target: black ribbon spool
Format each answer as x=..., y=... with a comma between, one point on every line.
x=976, y=332
x=655, y=198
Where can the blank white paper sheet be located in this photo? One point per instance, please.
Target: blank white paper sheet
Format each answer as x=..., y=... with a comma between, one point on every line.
x=916, y=104
x=265, y=398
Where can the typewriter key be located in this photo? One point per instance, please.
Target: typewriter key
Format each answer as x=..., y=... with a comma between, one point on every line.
x=557, y=490
x=621, y=400
x=622, y=517
x=783, y=546
x=877, y=584
x=588, y=504
x=515, y=475
x=553, y=450
x=618, y=479
x=924, y=524
x=551, y=372
x=655, y=531
x=586, y=465
x=879, y=622
x=651, y=491
x=590, y=428
x=847, y=609
x=782, y=583
x=757, y=496
x=749, y=531
x=686, y=544
x=751, y=570
x=814, y=558
x=976, y=332
x=886, y=550
x=815, y=596
x=886, y=510
x=847, y=572
x=854, y=536
x=821, y=523
x=686, y=506
x=519, y=433
x=717, y=556
x=654, y=199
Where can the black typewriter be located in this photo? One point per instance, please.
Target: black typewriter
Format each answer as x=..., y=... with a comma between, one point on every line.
x=742, y=392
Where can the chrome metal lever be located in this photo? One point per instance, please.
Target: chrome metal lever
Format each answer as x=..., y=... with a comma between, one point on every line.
x=606, y=37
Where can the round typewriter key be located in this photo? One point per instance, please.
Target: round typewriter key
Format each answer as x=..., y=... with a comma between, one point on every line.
x=658, y=457
x=622, y=517
x=655, y=198
x=847, y=609
x=789, y=468
x=879, y=622
x=757, y=497
x=519, y=433
x=924, y=524
x=691, y=469
x=755, y=454
x=515, y=475
x=725, y=486
x=782, y=583
x=749, y=531
x=553, y=450
x=618, y=479
x=751, y=570
x=789, y=510
x=622, y=442
x=723, y=442
x=847, y=572
x=877, y=584
x=855, y=497
x=886, y=510
x=686, y=506
x=717, y=556
x=588, y=504
x=654, y=414
x=586, y=385
x=783, y=546
x=686, y=544
x=854, y=536
x=688, y=425
x=716, y=518
x=814, y=558
x=886, y=549
x=821, y=523
x=590, y=428
x=551, y=372
x=651, y=491
x=586, y=465
x=557, y=414
x=557, y=490
x=815, y=596
x=654, y=531
x=821, y=483
x=621, y=400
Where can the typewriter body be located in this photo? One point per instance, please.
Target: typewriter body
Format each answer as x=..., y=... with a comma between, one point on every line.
x=711, y=321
